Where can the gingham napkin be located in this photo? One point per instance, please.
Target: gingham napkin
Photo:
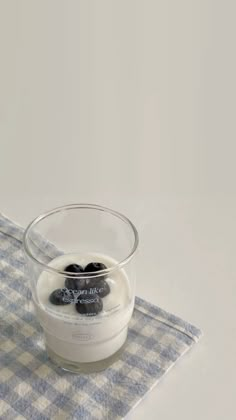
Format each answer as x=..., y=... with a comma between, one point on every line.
x=33, y=388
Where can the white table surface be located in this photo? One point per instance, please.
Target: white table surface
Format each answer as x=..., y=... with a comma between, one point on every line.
x=131, y=104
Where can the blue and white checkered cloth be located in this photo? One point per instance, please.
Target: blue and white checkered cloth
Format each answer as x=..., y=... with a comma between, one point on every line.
x=31, y=387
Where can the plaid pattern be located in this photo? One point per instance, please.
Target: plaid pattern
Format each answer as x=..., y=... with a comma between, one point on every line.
x=31, y=387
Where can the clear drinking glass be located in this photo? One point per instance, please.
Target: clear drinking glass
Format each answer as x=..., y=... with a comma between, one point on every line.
x=81, y=267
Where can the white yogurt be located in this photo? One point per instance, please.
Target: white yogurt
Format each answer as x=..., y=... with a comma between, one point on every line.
x=79, y=338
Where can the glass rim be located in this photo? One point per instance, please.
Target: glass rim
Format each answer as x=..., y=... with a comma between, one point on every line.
x=87, y=206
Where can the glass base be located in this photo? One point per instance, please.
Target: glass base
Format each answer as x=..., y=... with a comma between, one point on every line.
x=91, y=367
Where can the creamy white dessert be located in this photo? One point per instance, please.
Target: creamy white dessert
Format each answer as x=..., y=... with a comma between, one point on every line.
x=77, y=337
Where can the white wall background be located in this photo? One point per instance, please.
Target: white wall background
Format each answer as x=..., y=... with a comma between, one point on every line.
x=132, y=95
x=131, y=104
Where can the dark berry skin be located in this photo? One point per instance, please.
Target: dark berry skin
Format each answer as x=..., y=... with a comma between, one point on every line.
x=74, y=268
x=98, y=282
x=74, y=284
x=93, y=267
x=89, y=305
x=105, y=288
x=57, y=297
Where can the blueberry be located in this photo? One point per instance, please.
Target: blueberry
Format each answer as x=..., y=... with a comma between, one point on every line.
x=102, y=287
x=58, y=297
x=93, y=267
x=89, y=305
x=74, y=268
x=75, y=284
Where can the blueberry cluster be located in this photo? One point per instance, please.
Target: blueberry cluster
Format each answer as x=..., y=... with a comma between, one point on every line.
x=86, y=292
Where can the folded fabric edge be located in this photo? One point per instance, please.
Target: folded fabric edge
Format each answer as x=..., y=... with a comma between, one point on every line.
x=168, y=318
x=11, y=228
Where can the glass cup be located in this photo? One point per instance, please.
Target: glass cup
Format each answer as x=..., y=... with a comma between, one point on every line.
x=81, y=267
